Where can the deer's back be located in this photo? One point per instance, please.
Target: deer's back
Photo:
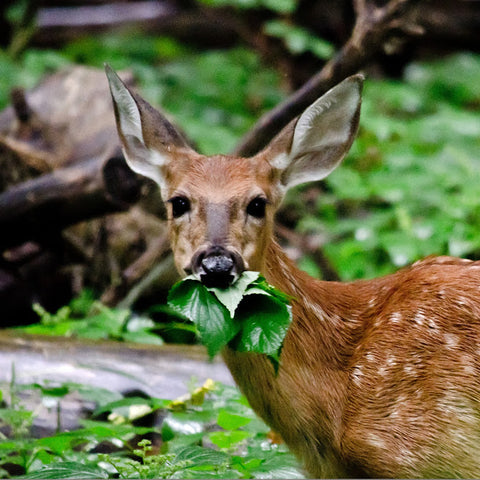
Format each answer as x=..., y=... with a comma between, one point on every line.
x=413, y=398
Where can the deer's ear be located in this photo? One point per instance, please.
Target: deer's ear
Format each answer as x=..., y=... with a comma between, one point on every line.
x=312, y=146
x=148, y=139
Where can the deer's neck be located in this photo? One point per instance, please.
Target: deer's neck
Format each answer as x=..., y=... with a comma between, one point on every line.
x=324, y=315
x=304, y=401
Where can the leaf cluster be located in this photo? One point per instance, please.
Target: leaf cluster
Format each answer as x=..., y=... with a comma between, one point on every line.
x=209, y=433
x=86, y=318
x=249, y=316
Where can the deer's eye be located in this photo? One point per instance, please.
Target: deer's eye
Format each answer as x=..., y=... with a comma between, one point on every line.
x=256, y=208
x=180, y=206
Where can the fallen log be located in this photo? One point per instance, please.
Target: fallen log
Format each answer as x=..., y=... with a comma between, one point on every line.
x=65, y=197
x=32, y=210
x=158, y=371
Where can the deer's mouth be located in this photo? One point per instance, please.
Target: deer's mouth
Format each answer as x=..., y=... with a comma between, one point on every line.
x=217, y=266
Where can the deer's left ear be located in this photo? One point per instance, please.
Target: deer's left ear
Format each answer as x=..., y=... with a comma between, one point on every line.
x=311, y=147
x=148, y=139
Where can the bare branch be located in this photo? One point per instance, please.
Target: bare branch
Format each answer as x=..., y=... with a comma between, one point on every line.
x=139, y=269
x=372, y=29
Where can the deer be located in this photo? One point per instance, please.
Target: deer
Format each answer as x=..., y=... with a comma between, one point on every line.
x=378, y=377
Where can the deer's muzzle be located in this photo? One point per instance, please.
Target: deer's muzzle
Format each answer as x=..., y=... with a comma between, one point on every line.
x=217, y=266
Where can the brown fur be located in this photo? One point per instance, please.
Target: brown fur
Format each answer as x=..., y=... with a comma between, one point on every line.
x=379, y=378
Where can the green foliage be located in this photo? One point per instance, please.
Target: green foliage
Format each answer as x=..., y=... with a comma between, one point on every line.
x=71, y=470
x=27, y=70
x=409, y=187
x=87, y=318
x=214, y=96
x=211, y=94
x=210, y=433
x=299, y=40
x=250, y=315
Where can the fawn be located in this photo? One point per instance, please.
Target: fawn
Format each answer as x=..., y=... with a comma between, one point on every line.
x=378, y=378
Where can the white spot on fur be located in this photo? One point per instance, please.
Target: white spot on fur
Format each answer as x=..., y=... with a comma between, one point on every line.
x=399, y=406
x=419, y=318
x=396, y=317
x=405, y=456
x=374, y=440
x=370, y=357
x=461, y=301
x=384, y=369
x=451, y=341
x=432, y=325
x=467, y=364
x=357, y=375
x=418, y=393
x=379, y=320
x=391, y=361
x=316, y=309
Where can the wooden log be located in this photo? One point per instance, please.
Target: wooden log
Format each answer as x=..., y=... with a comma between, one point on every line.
x=32, y=210
x=158, y=371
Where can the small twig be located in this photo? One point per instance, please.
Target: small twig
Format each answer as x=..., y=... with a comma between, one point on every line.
x=133, y=276
x=158, y=270
x=20, y=105
x=24, y=29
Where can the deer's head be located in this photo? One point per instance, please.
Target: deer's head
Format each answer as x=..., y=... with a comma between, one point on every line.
x=221, y=208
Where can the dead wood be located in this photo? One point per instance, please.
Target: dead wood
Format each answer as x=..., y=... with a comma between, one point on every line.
x=195, y=25
x=32, y=210
x=62, y=177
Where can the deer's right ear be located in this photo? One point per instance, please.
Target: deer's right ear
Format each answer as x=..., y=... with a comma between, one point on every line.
x=312, y=146
x=148, y=139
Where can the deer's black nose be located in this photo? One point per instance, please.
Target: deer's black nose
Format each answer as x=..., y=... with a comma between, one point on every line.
x=217, y=267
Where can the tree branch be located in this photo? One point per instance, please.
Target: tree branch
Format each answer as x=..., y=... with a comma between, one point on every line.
x=373, y=29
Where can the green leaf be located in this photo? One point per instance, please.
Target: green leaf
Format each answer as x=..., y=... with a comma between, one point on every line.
x=67, y=470
x=262, y=284
x=232, y=296
x=215, y=326
x=60, y=391
x=228, y=439
x=201, y=457
x=299, y=40
x=142, y=336
x=231, y=421
x=123, y=406
x=90, y=393
x=265, y=321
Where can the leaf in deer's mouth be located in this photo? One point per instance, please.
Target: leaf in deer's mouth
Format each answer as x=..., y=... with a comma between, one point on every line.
x=249, y=316
x=214, y=324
